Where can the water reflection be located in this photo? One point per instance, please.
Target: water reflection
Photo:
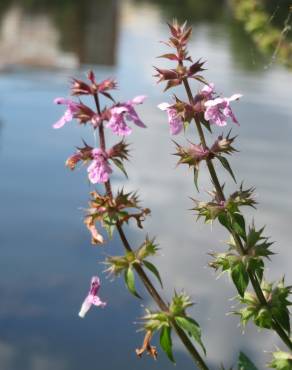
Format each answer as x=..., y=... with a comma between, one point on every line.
x=59, y=34
x=46, y=259
x=193, y=11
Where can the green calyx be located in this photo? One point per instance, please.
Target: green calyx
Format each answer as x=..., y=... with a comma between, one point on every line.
x=164, y=322
x=276, y=307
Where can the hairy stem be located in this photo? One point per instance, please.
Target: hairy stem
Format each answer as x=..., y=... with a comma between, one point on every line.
x=140, y=271
x=240, y=248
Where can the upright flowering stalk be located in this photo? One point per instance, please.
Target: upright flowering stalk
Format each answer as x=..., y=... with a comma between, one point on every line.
x=112, y=211
x=267, y=305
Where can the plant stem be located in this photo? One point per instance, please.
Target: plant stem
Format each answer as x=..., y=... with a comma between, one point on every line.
x=240, y=248
x=140, y=271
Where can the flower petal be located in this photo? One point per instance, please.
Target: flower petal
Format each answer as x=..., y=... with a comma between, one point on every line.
x=138, y=99
x=85, y=307
x=118, y=110
x=212, y=103
x=62, y=101
x=96, y=301
x=234, y=97
x=163, y=106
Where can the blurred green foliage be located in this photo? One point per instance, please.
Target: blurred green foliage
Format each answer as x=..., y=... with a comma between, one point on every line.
x=207, y=10
x=268, y=25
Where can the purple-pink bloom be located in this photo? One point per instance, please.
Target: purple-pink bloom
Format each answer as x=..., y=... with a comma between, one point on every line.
x=174, y=120
x=72, y=108
x=218, y=110
x=208, y=91
x=92, y=297
x=99, y=169
x=122, y=112
x=76, y=110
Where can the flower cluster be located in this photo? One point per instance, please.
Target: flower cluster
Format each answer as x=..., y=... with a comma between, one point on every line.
x=216, y=110
x=106, y=209
x=116, y=117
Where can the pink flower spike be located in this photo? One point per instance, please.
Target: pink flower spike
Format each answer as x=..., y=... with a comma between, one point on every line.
x=99, y=170
x=218, y=110
x=92, y=297
x=174, y=120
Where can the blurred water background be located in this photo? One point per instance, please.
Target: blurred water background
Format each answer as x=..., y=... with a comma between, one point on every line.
x=46, y=259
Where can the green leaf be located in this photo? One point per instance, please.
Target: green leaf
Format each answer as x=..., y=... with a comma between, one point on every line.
x=196, y=176
x=206, y=124
x=192, y=328
x=282, y=315
x=226, y=165
x=238, y=224
x=120, y=165
x=240, y=277
x=154, y=270
x=244, y=363
x=130, y=281
x=224, y=220
x=109, y=223
x=257, y=266
x=166, y=342
x=263, y=319
x=110, y=230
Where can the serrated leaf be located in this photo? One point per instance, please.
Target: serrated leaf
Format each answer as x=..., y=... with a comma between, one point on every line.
x=240, y=277
x=192, y=328
x=154, y=270
x=130, y=281
x=244, y=363
x=226, y=165
x=120, y=165
x=166, y=342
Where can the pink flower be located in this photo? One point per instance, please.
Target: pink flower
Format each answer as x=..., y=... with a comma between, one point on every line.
x=208, y=91
x=122, y=112
x=218, y=110
x=174, y=120
x=76, y=110
x=72, y=108
x=99, y=169
x=92, y=297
